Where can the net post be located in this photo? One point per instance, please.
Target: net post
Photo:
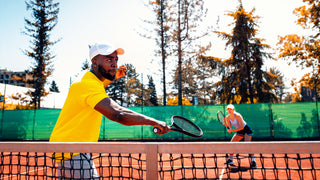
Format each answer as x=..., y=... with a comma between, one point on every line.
x=152, y=161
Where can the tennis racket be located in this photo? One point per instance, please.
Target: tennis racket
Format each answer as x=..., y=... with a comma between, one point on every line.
x=222, y=119
x=183, y=125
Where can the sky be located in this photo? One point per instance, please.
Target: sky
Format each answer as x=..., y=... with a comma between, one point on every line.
x=119, y=22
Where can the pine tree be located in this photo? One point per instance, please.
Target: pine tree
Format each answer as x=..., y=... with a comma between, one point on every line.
x=85, y=65
x=185, y=16
x=117, y=89
x=127, y=90
x=54, y=87
x=243, y=70
x=264, y=83
x=213, y=69
x=44, y=19
x=152, y=91
x=161, y=10
x=188, y=76
x=276, y=78
x=133, y=87
x=204, y=75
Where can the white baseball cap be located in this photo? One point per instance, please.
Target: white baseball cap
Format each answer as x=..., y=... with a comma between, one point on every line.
x=230, y=106
x=103, y=49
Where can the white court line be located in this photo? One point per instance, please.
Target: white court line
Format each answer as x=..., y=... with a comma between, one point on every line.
x=10, y=176
x=222, y=172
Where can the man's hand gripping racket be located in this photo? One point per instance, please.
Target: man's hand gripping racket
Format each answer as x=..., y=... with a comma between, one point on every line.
x=222, y=119
x=182, y=125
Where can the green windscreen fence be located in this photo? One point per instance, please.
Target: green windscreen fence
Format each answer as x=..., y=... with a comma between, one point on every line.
x=268, y=121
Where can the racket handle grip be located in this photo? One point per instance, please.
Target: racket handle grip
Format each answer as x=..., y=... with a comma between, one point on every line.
x=156, y=130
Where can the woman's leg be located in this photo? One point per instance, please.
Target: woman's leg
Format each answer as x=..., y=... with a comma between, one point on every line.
x=235, y=138
x=253, y=164
x=247, y=137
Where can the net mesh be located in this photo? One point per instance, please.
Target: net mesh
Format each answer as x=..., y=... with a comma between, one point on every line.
x=23, y=165
x=147, y=160
x=269, y=166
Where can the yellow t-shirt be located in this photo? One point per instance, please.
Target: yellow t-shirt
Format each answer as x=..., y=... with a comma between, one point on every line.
x=78, y=120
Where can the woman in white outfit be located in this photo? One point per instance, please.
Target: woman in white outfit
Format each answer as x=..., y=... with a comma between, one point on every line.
x=236, y=124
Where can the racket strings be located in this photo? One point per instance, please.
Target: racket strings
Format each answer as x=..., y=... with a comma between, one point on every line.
x=221, y=118
x=186, y=126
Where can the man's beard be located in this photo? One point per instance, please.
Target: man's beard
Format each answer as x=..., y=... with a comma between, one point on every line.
x=105, y=74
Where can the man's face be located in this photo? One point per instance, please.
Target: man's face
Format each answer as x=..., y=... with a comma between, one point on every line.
x=107, y=65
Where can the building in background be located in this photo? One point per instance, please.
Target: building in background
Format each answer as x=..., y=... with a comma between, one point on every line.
x=53, y=100
x=8, y=77
x=308, y=94
x=11, y=86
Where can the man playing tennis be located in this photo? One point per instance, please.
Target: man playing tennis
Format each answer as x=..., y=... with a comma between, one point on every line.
x=81, y=115
x=242, y=129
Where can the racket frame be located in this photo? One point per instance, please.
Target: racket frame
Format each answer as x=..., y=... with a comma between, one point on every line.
x=224, y=119
x=175, y=127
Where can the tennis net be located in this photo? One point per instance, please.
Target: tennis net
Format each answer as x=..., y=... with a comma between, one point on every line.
x=163, y=160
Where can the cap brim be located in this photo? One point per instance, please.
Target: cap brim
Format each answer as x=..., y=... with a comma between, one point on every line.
x=120, y=51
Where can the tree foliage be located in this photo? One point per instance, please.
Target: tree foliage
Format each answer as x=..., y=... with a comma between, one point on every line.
x=277, y=81
x=54, y=87
x=173, y=101
x=44, y=18
x=177, y=31
x=121, y=90
x=116, y=91
x=243, y=70
x=85, y=65
x=151, y=93
x=130, y=91
x=161, y=10
x=159, y=33
x=304, y=51
x=196, y=80
x=186, y=16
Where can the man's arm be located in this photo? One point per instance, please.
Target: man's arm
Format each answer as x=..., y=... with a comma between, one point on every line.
x=115, y=112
